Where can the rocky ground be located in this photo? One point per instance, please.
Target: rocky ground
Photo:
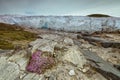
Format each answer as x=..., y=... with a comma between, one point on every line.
x=76, y=57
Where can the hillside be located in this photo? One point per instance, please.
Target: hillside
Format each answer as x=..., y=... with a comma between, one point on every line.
x=12, y=35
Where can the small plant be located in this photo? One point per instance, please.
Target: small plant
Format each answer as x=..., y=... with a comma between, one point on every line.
x=38, y=63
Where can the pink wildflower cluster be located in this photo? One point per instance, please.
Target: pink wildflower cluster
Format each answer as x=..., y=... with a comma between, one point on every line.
x=38, y=63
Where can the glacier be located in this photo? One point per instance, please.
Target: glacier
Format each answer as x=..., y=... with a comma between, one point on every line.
x=66, y=23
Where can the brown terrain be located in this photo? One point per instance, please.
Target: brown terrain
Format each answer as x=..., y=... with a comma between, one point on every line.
x=77, y=56
x=14, y=35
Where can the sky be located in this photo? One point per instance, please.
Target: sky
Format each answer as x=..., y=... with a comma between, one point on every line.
x=60, y=7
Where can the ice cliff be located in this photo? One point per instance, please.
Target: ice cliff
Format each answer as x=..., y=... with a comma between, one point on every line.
x=67, y=23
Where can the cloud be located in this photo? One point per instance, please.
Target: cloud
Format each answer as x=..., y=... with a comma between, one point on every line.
x=59, y=7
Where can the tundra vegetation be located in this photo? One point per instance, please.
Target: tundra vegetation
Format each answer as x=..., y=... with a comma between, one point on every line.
x=12, y=35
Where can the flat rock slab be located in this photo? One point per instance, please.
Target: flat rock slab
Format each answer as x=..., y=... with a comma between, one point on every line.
x=5, y=51
x=102, y=66
x=8, y=70
x=102, y=42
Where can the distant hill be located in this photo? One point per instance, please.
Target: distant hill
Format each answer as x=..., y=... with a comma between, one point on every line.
x=98, y=15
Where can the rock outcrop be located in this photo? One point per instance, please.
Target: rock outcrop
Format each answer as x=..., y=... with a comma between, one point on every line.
x=63, y=57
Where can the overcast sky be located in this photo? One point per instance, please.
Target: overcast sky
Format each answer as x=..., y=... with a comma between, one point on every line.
x=60, y=7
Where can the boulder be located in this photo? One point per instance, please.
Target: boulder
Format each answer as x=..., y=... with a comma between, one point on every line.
x=74, y=56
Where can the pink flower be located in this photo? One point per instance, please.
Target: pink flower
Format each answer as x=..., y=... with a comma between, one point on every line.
x=39, y=64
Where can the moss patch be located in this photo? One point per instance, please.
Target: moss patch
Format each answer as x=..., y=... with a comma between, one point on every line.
x=6, y=45
x=10, y=34
x=16, y=35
